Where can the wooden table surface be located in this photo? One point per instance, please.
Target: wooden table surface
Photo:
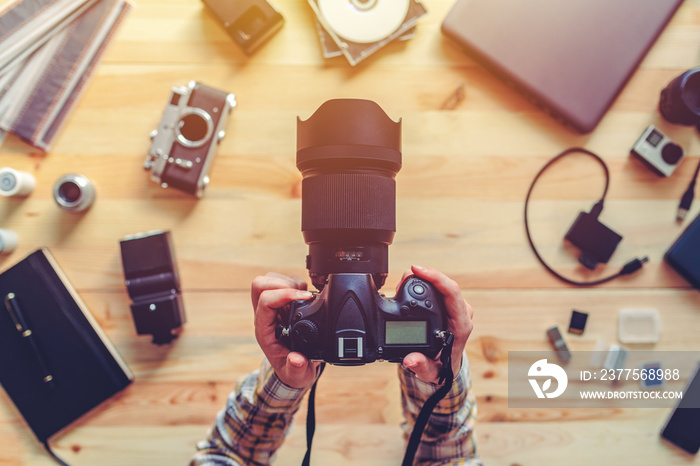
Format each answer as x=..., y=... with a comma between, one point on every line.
x=467, y=165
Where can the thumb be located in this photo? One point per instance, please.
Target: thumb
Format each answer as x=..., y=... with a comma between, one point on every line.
x=297, y=366
x=425, y=369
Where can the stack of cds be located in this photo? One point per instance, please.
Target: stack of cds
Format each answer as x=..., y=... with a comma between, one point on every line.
x=48, y=50
x=358, y=28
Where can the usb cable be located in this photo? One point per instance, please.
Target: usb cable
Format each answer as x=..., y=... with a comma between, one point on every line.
x=629, y=268
x=687, y=198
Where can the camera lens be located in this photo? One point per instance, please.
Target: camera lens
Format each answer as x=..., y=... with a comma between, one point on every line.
x=74, y=193
x=349, y=152
x=69, y=192
x=194, y=128
x=671, y=153
x=680, y=100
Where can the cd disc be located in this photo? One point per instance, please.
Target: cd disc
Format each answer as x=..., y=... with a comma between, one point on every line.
x=364, y=21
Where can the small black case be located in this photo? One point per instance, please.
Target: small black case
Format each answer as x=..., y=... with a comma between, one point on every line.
x=153, y=283
x=684, y=255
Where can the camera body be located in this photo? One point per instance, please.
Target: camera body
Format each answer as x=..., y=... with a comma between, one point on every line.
x=657, y=151
x=184, y=146
x=350, y=323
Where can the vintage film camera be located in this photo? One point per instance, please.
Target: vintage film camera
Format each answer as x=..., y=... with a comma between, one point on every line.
x=657, y=151
x=153, y=283
x=184, y=145
x=349, y=152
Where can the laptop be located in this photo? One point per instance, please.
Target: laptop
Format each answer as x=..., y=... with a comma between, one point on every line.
x=571, y=57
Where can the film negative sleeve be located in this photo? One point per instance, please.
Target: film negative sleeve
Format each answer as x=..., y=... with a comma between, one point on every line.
x=56, y=73
x=26, y=25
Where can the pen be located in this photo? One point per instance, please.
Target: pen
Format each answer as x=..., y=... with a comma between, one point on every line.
x=17, y=316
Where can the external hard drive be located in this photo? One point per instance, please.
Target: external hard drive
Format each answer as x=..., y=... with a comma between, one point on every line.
x=684, y=255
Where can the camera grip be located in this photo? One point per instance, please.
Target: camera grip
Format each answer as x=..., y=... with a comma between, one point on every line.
x=416, y=292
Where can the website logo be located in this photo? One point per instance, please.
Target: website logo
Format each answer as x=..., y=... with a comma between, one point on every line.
x=542, y=369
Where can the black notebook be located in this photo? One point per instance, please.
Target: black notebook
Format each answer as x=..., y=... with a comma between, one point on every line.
x=56, y=363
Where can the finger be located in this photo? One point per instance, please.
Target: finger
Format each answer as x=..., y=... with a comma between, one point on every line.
x=271, y=300
x=454, y=301
x=271, y=281
x=406, y=273
x=293, y=281
x=459, y=312
x=297, y=362
x=446, y=286
x=425, y=369
x=300, y=283
x=299, y=372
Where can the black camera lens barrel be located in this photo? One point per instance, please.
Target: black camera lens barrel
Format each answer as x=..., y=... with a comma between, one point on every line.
x=348, y=152
x=680, y=100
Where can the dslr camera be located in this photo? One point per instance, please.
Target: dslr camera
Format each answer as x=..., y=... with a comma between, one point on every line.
x=349, y=152
x=184, y=145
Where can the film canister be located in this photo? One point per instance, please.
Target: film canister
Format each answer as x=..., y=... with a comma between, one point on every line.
x=8, y=241
x=16, y=183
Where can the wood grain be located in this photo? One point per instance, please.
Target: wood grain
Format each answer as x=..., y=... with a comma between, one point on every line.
x=467, y=165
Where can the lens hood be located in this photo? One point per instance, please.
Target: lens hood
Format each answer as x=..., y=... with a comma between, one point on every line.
x=349, y=133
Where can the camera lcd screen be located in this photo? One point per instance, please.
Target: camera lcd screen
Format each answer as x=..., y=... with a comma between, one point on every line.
x=406, y=332
x=654, y=138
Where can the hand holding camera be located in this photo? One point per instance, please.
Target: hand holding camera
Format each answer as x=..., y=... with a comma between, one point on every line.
x=269, y=293
x=458, y=321
x=349, y=323
x=274, y=291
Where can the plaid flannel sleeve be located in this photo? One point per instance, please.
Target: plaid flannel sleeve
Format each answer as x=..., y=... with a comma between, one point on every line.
x=448, y=438
x=253, y=425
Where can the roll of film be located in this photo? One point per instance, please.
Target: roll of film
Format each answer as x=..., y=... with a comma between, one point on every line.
x=16, y=183
x=8, y=241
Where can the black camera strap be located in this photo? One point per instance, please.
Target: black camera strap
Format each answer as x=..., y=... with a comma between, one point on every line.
x=446, y=377
x=311, y=418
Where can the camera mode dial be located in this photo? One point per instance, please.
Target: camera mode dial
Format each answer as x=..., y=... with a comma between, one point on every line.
x=304, y=335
